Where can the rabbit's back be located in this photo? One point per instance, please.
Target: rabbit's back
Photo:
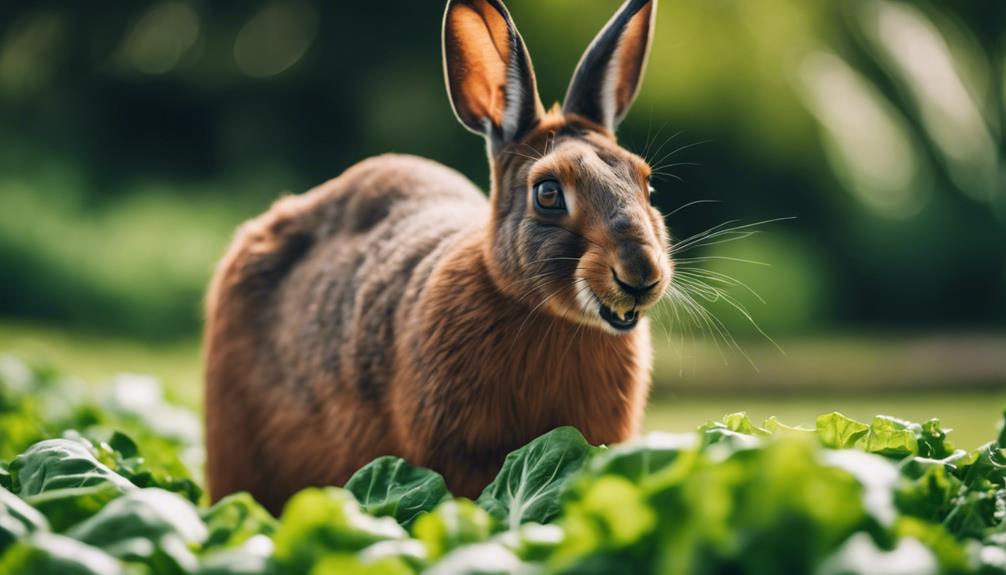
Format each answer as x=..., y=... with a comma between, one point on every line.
x=304, y=313
x=376, y=242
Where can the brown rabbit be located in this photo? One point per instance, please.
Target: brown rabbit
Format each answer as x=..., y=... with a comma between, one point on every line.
x=393, y=310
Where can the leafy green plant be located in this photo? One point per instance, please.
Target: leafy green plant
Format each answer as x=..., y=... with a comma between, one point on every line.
x=388, y=486
x=847, y=497
x=528, y=486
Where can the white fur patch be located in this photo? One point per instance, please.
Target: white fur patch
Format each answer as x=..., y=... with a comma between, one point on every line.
x=569, y=195
x=591, y=308
x=585, y=297
x=609, y=91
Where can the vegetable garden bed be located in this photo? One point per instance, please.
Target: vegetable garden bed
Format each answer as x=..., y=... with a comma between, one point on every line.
x=103, y=486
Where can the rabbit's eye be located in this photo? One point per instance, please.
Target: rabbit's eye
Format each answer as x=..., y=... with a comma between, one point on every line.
x=548, y=197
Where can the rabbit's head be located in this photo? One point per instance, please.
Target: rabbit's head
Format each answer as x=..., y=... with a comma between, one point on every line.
x=573, y=232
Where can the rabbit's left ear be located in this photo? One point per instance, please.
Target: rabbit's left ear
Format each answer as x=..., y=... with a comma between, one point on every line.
x=611, y=70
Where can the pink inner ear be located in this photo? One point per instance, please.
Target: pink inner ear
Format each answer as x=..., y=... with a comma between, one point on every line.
x=631, y=55
x=481, y=41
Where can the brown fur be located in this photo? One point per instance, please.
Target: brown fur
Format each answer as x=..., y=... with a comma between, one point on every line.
x=393, y=310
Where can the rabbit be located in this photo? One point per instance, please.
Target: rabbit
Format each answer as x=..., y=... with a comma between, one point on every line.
x=398, y=310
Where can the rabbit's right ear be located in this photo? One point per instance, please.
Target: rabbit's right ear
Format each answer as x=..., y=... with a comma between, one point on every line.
x=489, y=75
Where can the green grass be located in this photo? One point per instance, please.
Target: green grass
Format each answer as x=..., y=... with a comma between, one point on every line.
x=695, y=383
x=973, y=415
x=95, y=359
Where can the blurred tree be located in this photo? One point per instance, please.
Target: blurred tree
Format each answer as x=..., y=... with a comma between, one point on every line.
x=878, y=123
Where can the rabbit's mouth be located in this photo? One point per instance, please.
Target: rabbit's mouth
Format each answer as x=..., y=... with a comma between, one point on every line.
x=623, y=323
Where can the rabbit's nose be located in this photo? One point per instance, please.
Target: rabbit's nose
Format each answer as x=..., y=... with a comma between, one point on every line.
x=637, y=291
x=637, y=274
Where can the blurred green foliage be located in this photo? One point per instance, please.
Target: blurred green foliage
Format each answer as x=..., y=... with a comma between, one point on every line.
x=137, y=136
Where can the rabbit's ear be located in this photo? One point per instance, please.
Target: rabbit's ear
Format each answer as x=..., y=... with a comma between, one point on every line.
x=489, y=75
x=610, y=72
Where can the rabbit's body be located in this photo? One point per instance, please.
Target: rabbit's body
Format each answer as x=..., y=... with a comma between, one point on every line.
x=360, y=319
x=394, y=310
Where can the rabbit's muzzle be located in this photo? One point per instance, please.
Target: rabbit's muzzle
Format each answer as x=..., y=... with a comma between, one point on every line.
x=634, y=278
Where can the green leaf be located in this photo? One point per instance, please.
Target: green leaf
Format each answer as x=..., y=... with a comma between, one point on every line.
x=933, y=441
x=49, y=554
x=951, y=556
x=892, y=437
x=774, y=508
x=779, y=429
x=254, y=557
x=741, y=423
x=150, y=527
x=618, y=510
x=533, y=541
x=6, y=481
x=235, y=519
x=59, y=464
x=390, y=487
x=454, y=523
x=877, y=477
x=317, y=522
x=984, y=467
x=930, y=495
x=348, y=563
x=119, y=452
x=529, y=485
x=640, y=459
x=408, y=551
x=67, y=507
x=860, y=555
x=840, y=432
x=17, y=519
x=481, y=559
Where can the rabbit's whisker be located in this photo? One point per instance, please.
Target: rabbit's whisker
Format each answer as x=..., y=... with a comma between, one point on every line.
x=688, y=261
x=722, y=233
x=649, y=158
x=690, y=204
x=698, y=274
x=668, y=155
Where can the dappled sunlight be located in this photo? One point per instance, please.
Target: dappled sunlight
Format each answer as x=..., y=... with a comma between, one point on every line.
x=28, y=52
x=912, y=46
x=160, y=38
x=868, y=143
x=275, y=38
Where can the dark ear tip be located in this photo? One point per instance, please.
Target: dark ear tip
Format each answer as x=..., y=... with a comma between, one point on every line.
x=496, y=4
x=637, y=5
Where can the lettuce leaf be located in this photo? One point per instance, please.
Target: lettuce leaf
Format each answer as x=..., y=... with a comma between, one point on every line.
x=529, y=485
x=390, y=487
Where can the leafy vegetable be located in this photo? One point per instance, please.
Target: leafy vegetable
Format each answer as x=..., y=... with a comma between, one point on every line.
x=253, y=557
x=390, y=487
x=452, y=524
x=64, y=508
x=60, y=464
x=121, y=454
x=6, y=481
x=319, y=522
x=45, y=554
x=481, y=559
x=234, y=520
x=529, y=485
x=149, y=527
x=840, y=432
x=17, y=519
x=847, y=497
